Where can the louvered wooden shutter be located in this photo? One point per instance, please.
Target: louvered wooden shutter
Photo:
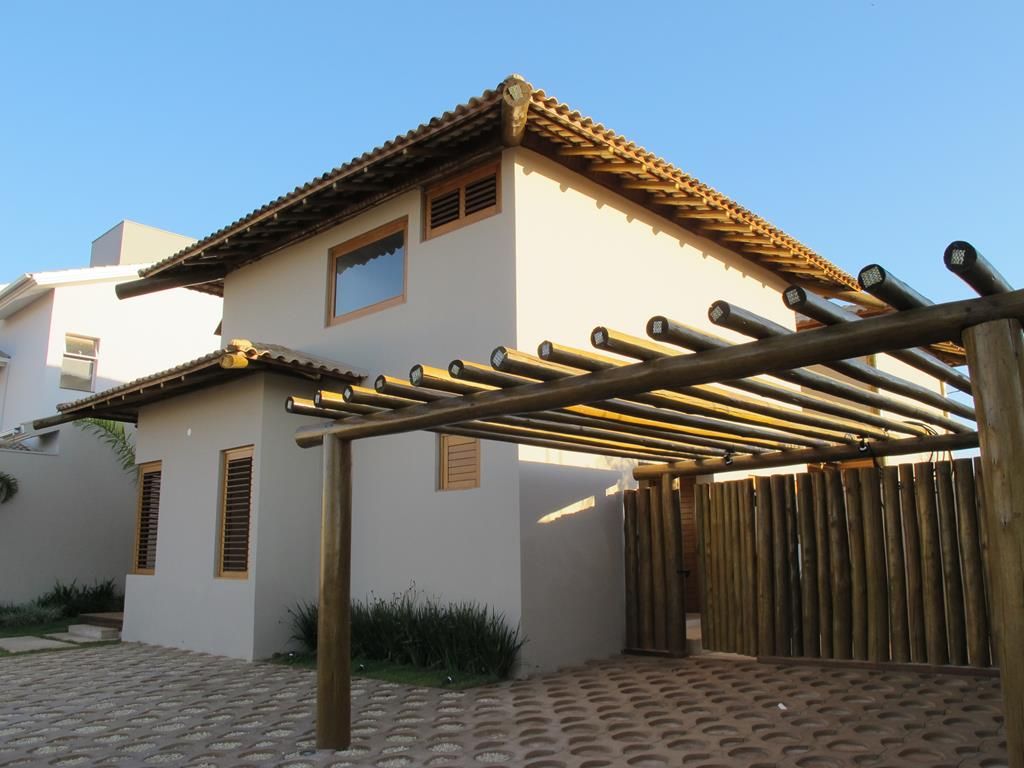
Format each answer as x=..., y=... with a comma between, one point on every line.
x=236, y=510
x=148, y=516
x=460, y=462
x=481, y=194
x=462, y=200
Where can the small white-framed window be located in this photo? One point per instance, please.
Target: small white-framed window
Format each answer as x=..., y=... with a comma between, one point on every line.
x=78, y=367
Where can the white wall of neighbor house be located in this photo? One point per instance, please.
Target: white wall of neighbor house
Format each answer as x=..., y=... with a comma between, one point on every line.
x=587, y=257
x=25, y=336
x=460, y=302
x=69, y=520
x=184, y=604
x=136, y=337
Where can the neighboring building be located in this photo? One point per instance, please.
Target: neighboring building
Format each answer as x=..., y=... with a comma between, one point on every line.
x=65, y=333
x=506, y=220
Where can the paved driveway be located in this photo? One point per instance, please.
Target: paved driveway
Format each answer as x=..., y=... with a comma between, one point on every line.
x=135, y=705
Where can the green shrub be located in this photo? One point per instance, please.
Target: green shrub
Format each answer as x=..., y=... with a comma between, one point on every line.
x=73, y=599
x=413, y=629
x=304, y=625
x=26, y=615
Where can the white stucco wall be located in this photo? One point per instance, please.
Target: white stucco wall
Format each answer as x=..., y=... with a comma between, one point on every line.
x=72, y=518
x=183, y=604
x=461, y=545
x=586, y=257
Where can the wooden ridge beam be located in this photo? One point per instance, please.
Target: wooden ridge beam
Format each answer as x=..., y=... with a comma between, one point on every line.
x=724, y=405
x=850, y=416
x=766, y=411
x=818, y=346
x=932, y=443
x=685, y=411
x=817, y=308
x=662, y=328
x=740, y=320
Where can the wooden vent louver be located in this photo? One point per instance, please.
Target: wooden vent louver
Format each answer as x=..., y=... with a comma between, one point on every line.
x=235, y=513
x=460, y=463
x=148, y=517
x=462, y=200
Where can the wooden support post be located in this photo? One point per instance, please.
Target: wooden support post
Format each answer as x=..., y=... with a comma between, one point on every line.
x=874, y=558
x=796, y=630
x=950, y=545
x=824, y=563
x=970, y=555
x=780, y=567
x=808, y=563
x=995, y=356
x=729, y=563
x=632, y=582
x=858, y=577
x=700, y=511
x=750, y=558
x=839, y=550
x=333, y=668
x=676, y=610
x=719, y=567
x=645, y=570
x=659, y=596
x=931, y=565
x=895, y=565
x=912, y=551
x=986, y=556
x=765, y=587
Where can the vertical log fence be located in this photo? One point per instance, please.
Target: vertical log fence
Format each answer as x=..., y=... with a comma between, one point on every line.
x=874, y=564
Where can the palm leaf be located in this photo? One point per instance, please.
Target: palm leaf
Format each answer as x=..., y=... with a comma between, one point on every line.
x=114, y=434
x=8, y=487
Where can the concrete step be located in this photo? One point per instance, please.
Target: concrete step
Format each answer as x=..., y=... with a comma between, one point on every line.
x=113, y=619
x=94, y=632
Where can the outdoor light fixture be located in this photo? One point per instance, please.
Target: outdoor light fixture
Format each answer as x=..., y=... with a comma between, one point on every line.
x=728, y=458
x=862, y=446
x=872, y=275
x=657, y=326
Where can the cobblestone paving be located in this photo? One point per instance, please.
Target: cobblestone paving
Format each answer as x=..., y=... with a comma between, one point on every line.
x=134, y=705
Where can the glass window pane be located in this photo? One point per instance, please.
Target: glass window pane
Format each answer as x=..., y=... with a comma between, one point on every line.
x=371, y=274
x=79, y=345
x=76, y=373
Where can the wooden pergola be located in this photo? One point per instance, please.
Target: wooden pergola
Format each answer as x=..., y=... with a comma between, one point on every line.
x=695, y=404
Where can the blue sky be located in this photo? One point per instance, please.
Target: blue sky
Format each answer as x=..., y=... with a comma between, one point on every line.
x=871, y=130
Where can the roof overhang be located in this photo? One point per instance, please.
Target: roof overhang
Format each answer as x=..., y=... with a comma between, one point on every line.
x=239, y=358
x=510, y=115
x=34, y=285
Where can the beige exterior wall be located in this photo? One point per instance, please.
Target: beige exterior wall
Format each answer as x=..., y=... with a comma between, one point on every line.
x=460, y=545
x=129, y=242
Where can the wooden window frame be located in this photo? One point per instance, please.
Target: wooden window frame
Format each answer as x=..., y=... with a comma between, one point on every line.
x=342, y=249
x=225, y=457
x=456, y=182
x=442, y=477
x=95, y=359
x=149, y=466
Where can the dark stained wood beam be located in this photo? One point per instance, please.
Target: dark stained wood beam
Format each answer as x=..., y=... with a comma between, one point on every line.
x=878, y=449
x=818, y=346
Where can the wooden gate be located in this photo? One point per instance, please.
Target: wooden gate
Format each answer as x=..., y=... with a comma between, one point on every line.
x=660, y=549
x=869, y=564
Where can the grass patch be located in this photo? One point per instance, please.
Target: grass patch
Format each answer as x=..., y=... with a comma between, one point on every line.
x=37, y=630
x=390, y=672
